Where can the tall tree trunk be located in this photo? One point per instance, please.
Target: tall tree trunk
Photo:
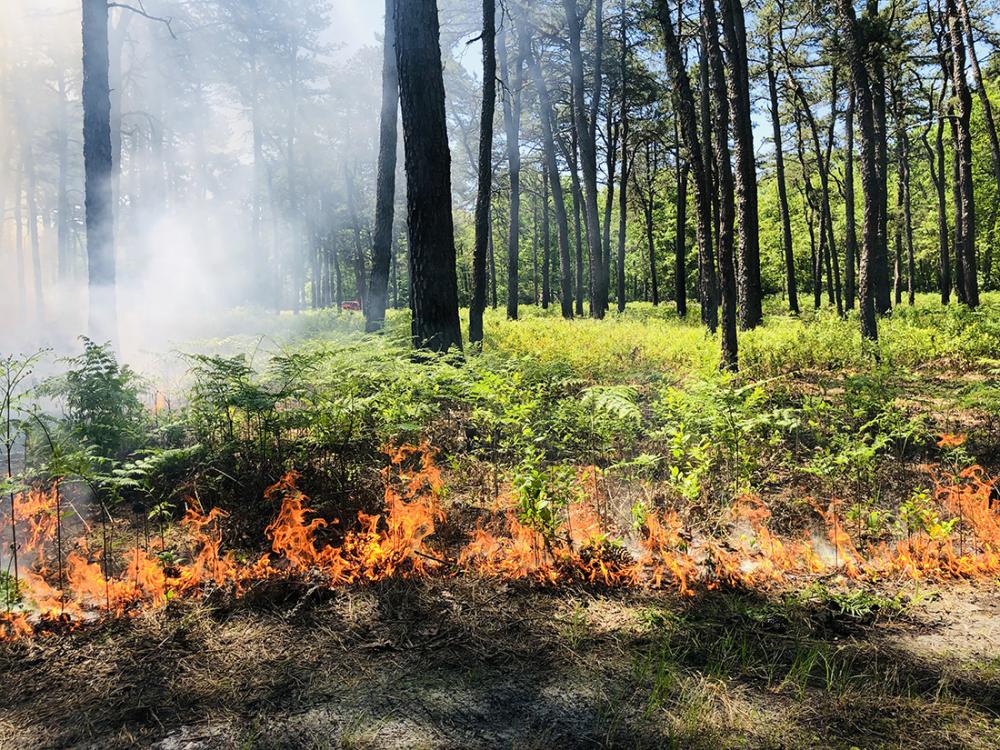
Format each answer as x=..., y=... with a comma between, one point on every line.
x=611, y=164
x=479, y=261
x=809, y=197
x=493, y=266
x=512, y=128
x=851, y=235
x=436, y=324
x=623, y=116
x=546, y=243
x=555, y=186
x=535, y=235
x=98, y=173
x=905, y=226
x=712, y=182
x=749, y=292
x=687, y=112
x=727, y=197
x=855, y=47
x=984, y=98
x=956, y=195
x=879, y=94
x=936, y=165
x=968, y=204
x=588, y=159
x=573, y=158
x=385, y=198
x=779, y=161
x=680, y=239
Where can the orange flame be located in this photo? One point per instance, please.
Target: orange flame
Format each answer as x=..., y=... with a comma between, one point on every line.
x=399, y=542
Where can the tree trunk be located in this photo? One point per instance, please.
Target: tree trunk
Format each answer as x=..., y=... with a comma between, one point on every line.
x=98, y=171
x=479, y=261
x=535, y=296
x=436, y=324
x=724, y=168
x=855, y=47
x=984, y=98
x=611, y=164
x=749, y=290
x=493, y=266
x=573, y=158
x=851, y=236
x=555, y=185
x=385, y=199
x=956, y=195
x=546, y=242
x=779, y=161
x=680, y=240
x=687, y=112
x=512, y=128
x=936, y=163
x=967, y=217
x=588, y=160
x=883, y=301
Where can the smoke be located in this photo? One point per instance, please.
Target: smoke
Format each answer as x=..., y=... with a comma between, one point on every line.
x=222, y=162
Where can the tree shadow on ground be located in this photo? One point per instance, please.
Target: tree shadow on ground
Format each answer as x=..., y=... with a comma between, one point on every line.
x=465, y=663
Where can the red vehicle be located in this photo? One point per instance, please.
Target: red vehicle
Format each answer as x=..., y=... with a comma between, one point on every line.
x=352, y=305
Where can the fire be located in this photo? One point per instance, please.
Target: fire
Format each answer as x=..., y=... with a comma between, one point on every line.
x=57, y=590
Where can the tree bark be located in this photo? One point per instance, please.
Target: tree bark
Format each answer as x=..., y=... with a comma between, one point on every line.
x=385, y=199
x=555, y=186
x=573, y=158
x=935, y=162
x=611, y=164
x=98, y=173
x=588, y=161
x=512, y=128
x=967, y=217
x=480, y=258
x=855, y=48
x=875, y=58
x=727, y=198
x=436, y=324
x=687, y=112
x=680, y=240
x=546, y=243
x=984, y=98
x=779, y=162
x=749, y=290
x=623, y=190
x=851, y=235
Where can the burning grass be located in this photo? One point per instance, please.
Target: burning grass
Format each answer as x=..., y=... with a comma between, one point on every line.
x=56, y=593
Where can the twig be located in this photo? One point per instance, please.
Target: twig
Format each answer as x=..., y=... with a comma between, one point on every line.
x=140, y=10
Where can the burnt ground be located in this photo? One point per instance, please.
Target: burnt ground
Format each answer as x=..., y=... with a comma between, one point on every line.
x=461, y=663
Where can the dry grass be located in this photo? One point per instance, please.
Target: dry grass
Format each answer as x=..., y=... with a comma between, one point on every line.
x=466, y=663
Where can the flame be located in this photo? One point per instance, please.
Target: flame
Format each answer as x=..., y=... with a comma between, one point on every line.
x=400, y=541
x=951, y=441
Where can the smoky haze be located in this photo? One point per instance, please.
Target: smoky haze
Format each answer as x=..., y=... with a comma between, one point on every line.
x=245, y=145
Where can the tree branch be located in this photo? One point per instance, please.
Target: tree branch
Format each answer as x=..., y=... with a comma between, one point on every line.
x=140, y=10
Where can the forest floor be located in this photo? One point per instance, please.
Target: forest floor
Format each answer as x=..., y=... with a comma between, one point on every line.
x=455, y=659
x=476, y=664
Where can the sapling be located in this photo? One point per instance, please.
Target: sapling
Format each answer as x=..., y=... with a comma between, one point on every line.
x=14, y=373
